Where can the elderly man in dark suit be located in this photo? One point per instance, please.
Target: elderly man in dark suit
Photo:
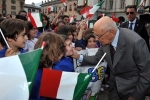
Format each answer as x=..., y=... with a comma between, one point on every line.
x=134, y=24
x=127, y=56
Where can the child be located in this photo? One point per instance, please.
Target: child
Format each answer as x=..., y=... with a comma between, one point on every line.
x=52, y=52
x=66, y=62
x=15, y=33
x=31, y=37
x=90, y=41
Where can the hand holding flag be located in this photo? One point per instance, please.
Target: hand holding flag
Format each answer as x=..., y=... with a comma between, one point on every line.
x=88, y=12
x=64, y=2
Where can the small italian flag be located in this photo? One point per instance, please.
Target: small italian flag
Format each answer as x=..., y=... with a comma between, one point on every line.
x=72, y=18
x=51, y=8
x=85, y=1
x=88, y=12
x=140, y=4
x=63, y=85
x=17, y=74
x=36, y=19
x=115, y=19
x=64, y=2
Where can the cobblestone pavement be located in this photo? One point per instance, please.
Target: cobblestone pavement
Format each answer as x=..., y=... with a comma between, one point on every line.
x=103, y=95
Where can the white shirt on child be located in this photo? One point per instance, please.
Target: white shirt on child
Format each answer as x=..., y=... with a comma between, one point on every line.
x=30, y=44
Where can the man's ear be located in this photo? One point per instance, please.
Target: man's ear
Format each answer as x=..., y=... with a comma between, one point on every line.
x=112, y=33
x=9, y=39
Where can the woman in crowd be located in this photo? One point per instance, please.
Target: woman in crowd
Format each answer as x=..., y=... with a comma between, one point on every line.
x=31, y=37
x=46, y=27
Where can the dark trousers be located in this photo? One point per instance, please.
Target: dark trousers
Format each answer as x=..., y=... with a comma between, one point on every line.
x=113, y=95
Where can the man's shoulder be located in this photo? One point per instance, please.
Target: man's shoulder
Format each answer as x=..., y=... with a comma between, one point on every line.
x=129, y=35
x=124, y=24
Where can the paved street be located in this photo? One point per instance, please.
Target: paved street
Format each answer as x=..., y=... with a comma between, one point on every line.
x=103, y=95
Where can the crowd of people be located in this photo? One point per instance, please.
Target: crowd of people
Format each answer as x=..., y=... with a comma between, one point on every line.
x=128, y=64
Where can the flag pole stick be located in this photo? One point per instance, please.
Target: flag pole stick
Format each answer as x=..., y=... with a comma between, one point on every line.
x=43, y=44
x=99, y=62
x=4, y=38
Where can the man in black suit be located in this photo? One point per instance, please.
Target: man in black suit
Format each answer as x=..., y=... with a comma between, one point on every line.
x=134, y=24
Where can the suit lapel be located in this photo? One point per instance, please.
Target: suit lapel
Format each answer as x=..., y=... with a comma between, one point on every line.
x=127, y=24
x=136, y=25
x=119, y=49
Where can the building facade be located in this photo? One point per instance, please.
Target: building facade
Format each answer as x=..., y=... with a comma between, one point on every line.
x=69, y=10
x=32, y=8
x=118, y=7
x=108, y=8
x=11, y=6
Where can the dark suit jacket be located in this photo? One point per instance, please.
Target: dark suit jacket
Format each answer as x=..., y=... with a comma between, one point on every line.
x=130, y=71
x=139, y=28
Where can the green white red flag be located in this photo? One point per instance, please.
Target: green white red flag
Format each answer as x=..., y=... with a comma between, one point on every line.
x=64, y=2
x=88, y=12
x=140, y=4
x=72, y=18
x=36, y=19
x=51, y=8
x=63, y=85
x=17, y=74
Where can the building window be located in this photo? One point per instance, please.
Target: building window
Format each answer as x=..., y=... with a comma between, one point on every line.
x=33, y=10
x=135, y=2
x=122, y=3
x=111, y=4
x=13, y=1
x=45, y=10
x=70, y=8
x=100, y=6
x=13, y=7
x=55, y=9
x=65, y=8
x=13, y=12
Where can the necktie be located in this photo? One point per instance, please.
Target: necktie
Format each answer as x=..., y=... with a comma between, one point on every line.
x=112, y=52
x=130, y=26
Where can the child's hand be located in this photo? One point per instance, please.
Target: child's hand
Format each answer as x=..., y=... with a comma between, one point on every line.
x=9, y=52
x=78, y=48
x=60, y=11
x=83, y=24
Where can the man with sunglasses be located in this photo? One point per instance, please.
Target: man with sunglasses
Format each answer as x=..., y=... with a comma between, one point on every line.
x=134, y=24
x=127, y=56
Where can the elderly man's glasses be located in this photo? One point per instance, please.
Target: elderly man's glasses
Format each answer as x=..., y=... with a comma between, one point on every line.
x=102, y=34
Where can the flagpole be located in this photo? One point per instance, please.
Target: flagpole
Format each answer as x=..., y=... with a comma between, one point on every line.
x=4, y=38
x=99, y=62
x=43, y=44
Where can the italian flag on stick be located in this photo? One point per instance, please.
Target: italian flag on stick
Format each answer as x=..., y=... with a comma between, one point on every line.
x=63, y=85
x=88, y=12
x=64, y=2
x=36, y=19
x=17, y=74
x=51, y=8
x=140, y=4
